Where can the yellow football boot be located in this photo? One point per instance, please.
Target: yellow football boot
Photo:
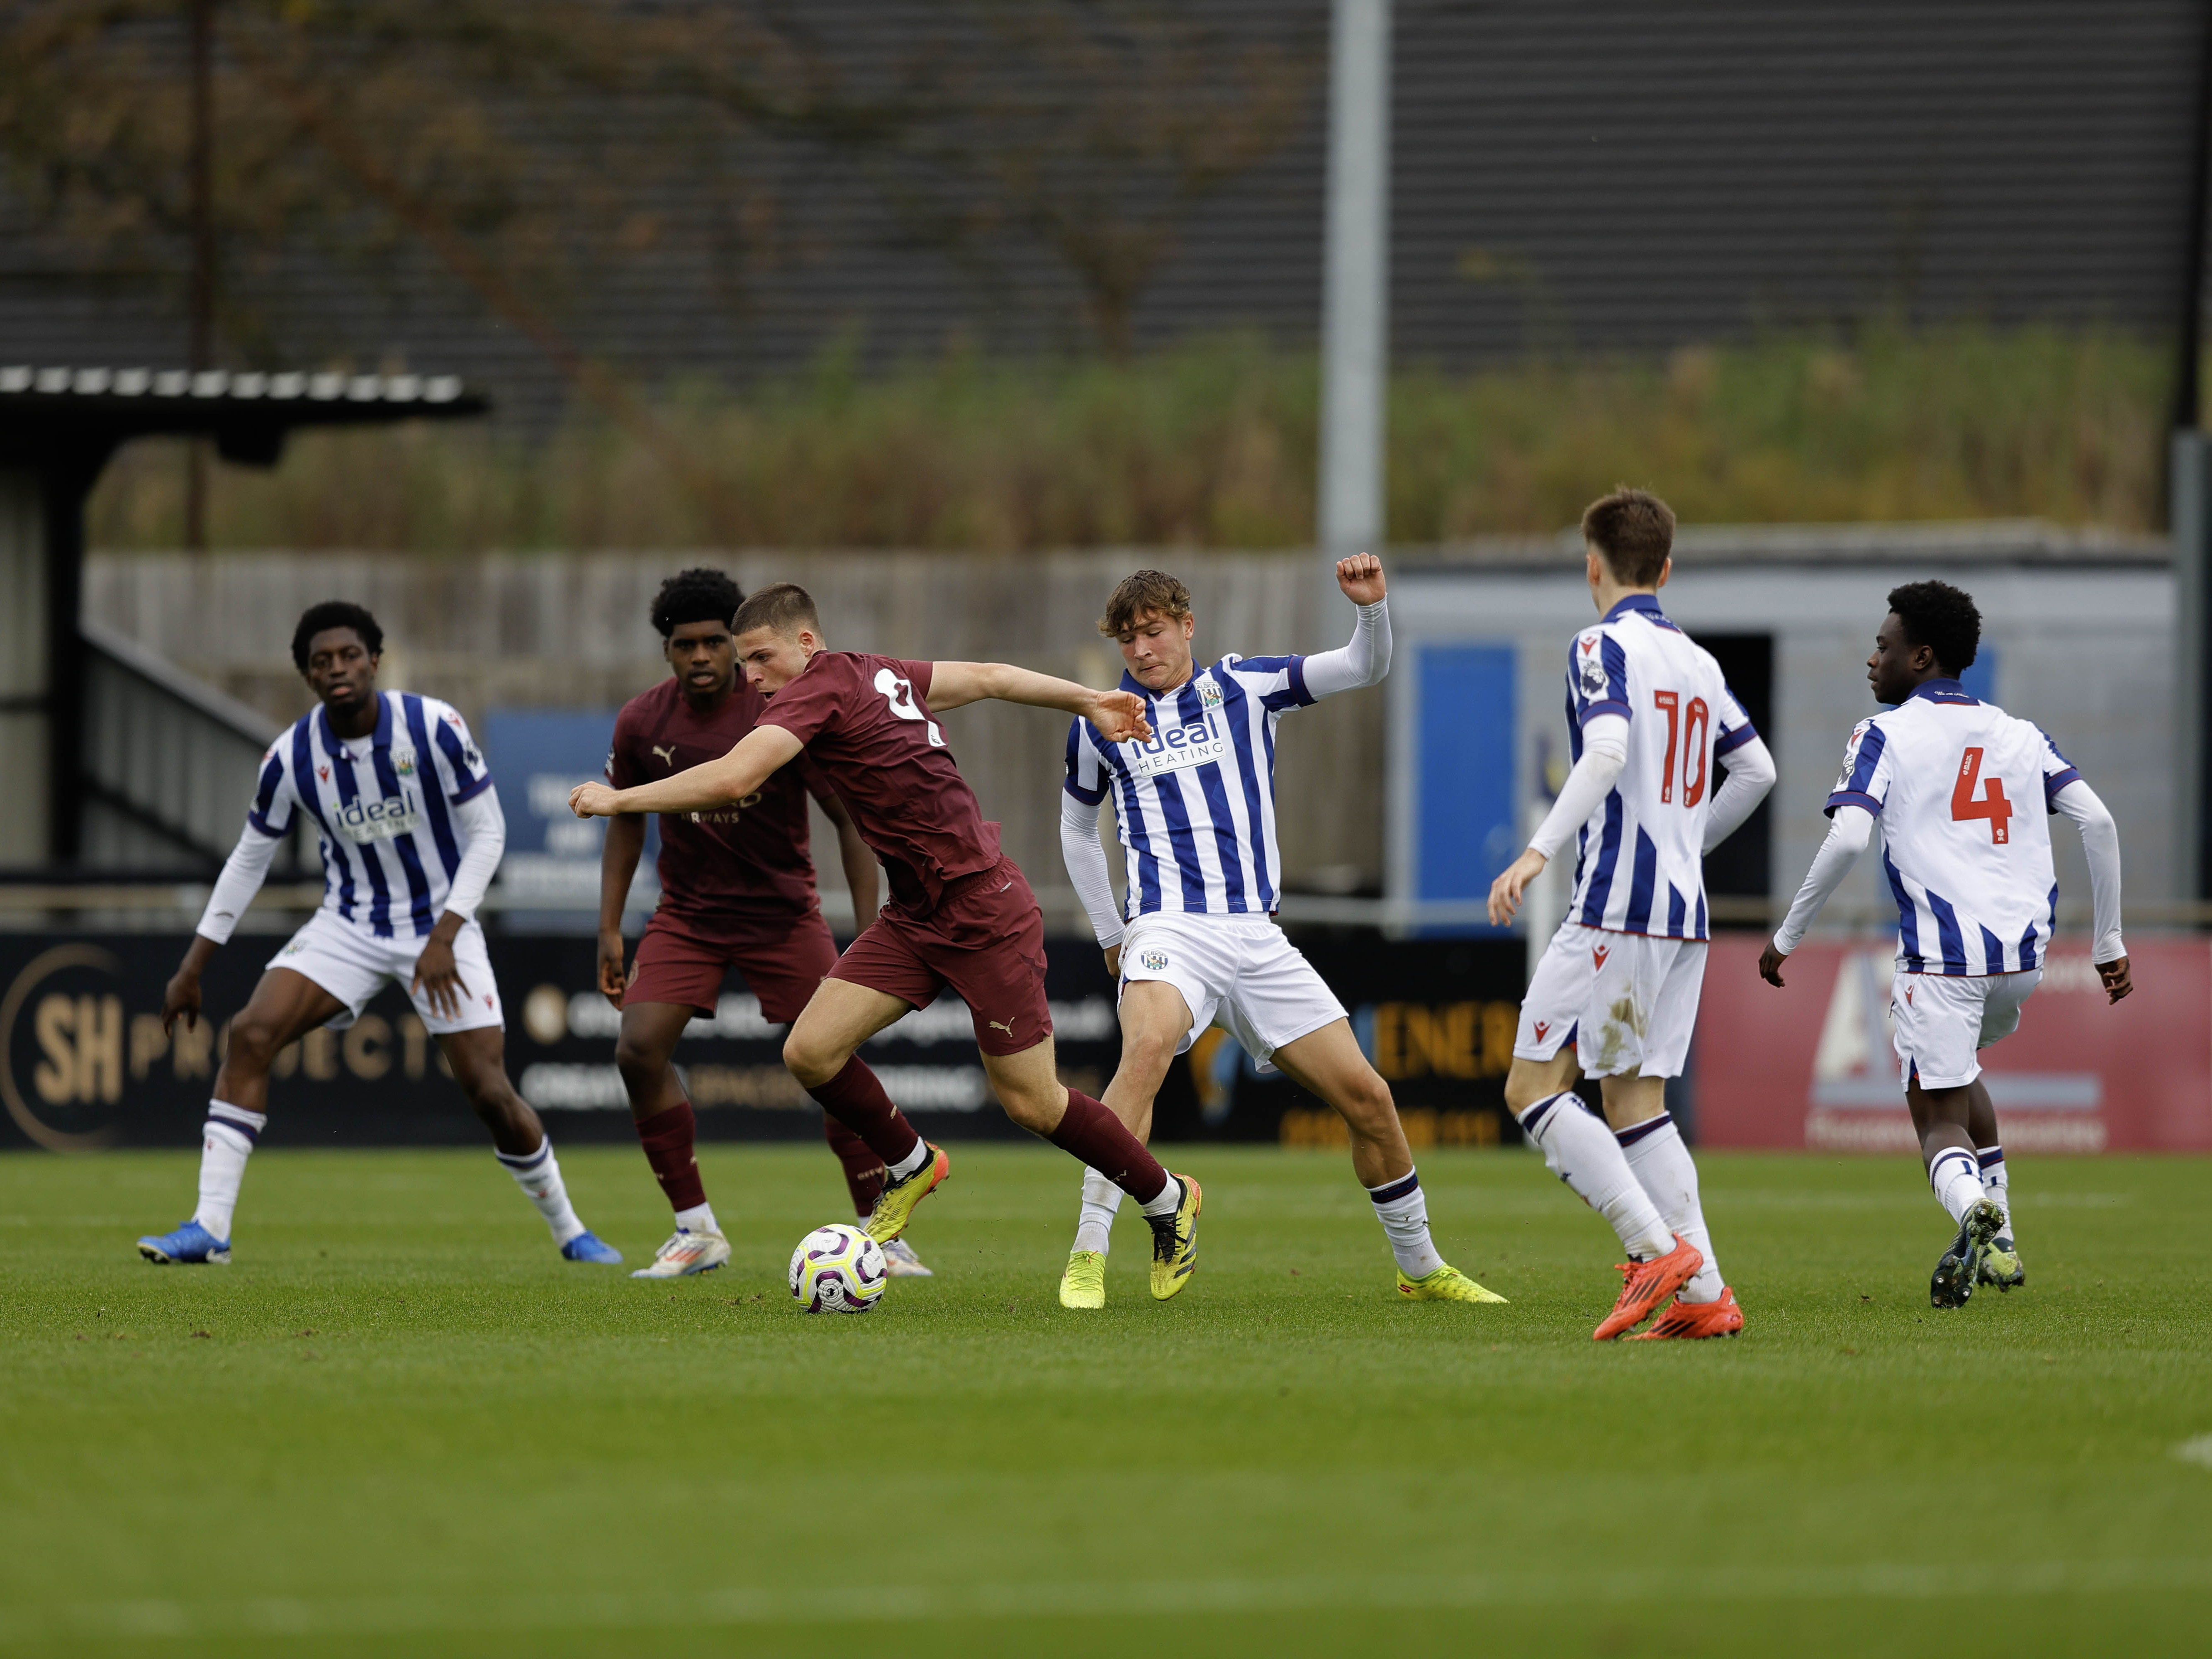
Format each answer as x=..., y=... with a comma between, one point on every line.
x=1082, y=1283
x=1175, y=1242
x=1446, y=1284
x=895, y=1204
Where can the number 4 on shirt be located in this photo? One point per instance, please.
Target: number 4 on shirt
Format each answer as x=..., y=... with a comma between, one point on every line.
x=1992, y=805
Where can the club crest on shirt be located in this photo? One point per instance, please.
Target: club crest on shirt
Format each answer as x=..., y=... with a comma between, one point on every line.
x=403, y=762
x=1154, y=961
x=1209, y=693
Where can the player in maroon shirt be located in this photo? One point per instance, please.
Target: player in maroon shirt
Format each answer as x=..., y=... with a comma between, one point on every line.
x=960, y=913
x=736, y=889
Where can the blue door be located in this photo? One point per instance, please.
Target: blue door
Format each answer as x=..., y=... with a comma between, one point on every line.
x=1465, y=823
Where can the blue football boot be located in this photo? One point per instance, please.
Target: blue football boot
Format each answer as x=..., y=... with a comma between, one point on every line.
x=189, y=1244
x=587, y=1246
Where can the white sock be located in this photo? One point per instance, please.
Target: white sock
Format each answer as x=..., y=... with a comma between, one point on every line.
x=1655, y=1151
x=700, y=1219
x=1166, y=1201
x=226, y=1143
x=1996, y=1186
x=1102, y=1200
x=1403, y=1210
x=539, y=1174
x=1956, y=1177
x=913, y=1160
x=1581, y=1151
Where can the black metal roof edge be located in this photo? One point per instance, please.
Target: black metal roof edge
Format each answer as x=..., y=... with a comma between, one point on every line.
x=22, y=386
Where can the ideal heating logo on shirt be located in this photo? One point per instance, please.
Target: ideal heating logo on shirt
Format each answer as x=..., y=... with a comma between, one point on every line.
x=365, y=821
x=1177, y=748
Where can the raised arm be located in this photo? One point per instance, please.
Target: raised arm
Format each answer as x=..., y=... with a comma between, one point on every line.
x=1119, y=715
x=1366, y=659
x=701, y=789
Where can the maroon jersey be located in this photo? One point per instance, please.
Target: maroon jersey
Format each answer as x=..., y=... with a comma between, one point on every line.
x=749, y=860
x=866, y=723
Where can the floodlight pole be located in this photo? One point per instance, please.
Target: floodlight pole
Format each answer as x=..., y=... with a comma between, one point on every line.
x=1355, y=280
x=2189, y=520
x=203, y=230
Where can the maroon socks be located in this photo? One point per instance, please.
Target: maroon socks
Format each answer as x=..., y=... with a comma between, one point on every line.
x=1094, y=1134
x=856, y=1100
x=863, y=1171
x=667, y=1138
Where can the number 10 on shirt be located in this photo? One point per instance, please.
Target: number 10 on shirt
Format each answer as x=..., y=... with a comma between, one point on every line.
x=1690, y=727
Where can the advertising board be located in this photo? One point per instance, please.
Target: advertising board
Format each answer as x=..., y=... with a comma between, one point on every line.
x=1812, y=1065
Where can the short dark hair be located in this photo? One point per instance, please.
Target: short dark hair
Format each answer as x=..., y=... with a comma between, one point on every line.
x=334, y=613
x=784, y=606
x=695, y=595
x=1144, y=593
x=1635, y=531
x=1942, y=618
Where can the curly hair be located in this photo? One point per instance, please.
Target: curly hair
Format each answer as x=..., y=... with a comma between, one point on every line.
x=1635, y=531
x=334, y=613
x=1942, y=618
x=695, y=595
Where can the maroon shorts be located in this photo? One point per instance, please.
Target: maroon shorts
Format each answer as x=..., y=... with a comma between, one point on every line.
x=986, y=940
x=682, y=960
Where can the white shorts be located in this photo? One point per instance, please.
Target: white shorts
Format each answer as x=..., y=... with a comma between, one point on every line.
x=1237, y=971
x=1940, y=1022
x=354, y=966
x=1629, y=1000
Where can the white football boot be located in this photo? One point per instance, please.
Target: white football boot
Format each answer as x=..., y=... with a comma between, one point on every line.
x=686, y=1254
x=901, y=1262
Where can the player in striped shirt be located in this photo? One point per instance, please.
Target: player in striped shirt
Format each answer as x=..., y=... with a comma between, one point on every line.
x=1196, y=801
x=1649, y=720
x=411, y=833
x=1954, y=783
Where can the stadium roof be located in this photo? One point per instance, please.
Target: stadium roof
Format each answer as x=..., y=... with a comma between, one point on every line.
x=46, y=411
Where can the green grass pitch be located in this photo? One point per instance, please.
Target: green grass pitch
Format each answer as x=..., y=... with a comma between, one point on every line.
x=400, y=1424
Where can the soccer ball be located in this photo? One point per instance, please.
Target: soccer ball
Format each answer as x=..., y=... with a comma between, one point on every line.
x=837, y=1269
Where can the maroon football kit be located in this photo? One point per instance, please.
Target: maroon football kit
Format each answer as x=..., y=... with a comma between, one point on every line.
x=960, y=913
x=736, y=883
x=737, y=889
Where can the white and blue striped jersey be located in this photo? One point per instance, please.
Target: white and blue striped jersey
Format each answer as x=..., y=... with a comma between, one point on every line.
x=1639, y=863
x=1196, y=804
x=383, y=808
x=1954, y=783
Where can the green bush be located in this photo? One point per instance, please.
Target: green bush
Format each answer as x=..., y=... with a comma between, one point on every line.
x=1210, y=444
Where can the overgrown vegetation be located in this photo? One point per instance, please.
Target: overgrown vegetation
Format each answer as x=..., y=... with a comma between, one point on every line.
x=1211, y=445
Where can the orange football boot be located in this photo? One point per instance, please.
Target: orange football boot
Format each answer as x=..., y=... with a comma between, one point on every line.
x=1695, y=1319
x=1647, y=1285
